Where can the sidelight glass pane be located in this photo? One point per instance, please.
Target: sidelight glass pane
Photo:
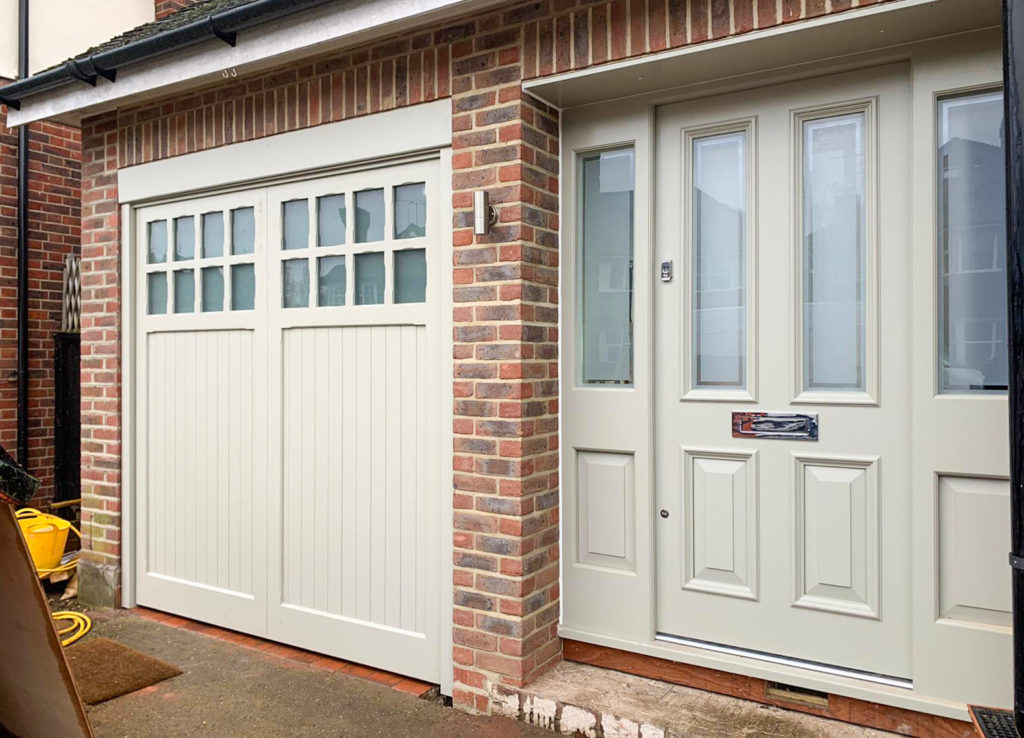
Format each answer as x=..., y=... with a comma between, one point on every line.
x=330, y=220
x=369, y=279
x=243, y=287
x=295, y=214
x=156, y=287
x=295, y=287
x=411, y=275
x=156, y=249
x=184, y=238
x=834, y=253
x=243, y=231
x=213, y=234
x=606, y=267
x=213, y=289
x=184, y=291
x=369, y=216
x=719, y=223
x=411, y=210
x=972, y=244
x=332, y=280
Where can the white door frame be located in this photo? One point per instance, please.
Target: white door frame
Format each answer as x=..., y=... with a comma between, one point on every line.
x=596, y=125
x=349, y=145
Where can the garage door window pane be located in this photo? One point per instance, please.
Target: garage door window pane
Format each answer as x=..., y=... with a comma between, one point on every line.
x=156, y=250
x=719, y=260
x=184, y=291
x=295, y=274
x=369, y=216
x=411, y=275
x=243, y=287
x=369, y=279
x=606, y=267
x=331, y=220
x=156, y=285
x=834, y=225
x=296, y=224
x=213, y=289
x=184, y=238
x=243, y=231
x=972, y=244
x=411, y=210
x=213, y=234
x=332, y=280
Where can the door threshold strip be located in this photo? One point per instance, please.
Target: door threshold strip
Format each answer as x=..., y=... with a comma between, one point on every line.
x=865, y=676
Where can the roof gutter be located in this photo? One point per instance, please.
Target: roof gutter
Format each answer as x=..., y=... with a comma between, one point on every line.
x=224, y=25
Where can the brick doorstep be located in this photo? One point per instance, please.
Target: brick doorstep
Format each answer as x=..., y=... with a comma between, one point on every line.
x=313, y=660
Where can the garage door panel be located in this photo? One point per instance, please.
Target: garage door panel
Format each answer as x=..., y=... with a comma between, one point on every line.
x=354, y=472
x=201, y=483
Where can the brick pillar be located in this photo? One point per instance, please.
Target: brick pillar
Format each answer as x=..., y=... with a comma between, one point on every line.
x=506, y=386
x=99, y=569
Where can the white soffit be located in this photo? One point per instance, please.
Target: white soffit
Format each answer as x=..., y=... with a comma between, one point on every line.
x=328, y=28
x=871, y=29
x=408, y=130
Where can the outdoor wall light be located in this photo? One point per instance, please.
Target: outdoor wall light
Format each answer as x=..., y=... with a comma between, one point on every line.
x=484, y=214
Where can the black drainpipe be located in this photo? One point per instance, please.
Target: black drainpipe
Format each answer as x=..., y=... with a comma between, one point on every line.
x=23, y=247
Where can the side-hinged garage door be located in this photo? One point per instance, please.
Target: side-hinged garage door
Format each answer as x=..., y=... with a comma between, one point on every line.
x=288, y=413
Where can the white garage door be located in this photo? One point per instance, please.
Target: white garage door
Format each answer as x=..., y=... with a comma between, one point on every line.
x=287, y=413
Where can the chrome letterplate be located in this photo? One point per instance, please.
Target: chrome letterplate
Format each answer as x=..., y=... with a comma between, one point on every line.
x=782, y=426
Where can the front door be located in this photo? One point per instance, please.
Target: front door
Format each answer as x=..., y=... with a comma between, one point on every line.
x=782, y=392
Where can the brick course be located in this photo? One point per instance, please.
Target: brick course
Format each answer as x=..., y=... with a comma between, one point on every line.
x=54, y=221
x=505, y=363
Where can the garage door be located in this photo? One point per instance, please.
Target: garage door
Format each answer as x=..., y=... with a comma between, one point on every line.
x=287, y=413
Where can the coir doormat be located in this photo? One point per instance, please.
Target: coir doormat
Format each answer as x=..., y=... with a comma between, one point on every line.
x=104, y=669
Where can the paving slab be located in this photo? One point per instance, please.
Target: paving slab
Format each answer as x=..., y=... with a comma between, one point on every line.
x=227, y=690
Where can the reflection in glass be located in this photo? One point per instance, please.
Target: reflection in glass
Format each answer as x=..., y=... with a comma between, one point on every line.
x=184, y=291
x=243, y=231
x=295, y=287
x=331, y=280
x=213, y=289
x=369, y=279
x=330, y=220
x=834, y=253
x=156, y=252
x=184, y=238
x=369, y=216
x=243, y=287
x=213, y=234
x=411, y=275
x=411, y=210
x=156, y=285
x=296, y=224
x=606, y=267
x=719, y=260
x=972, y=244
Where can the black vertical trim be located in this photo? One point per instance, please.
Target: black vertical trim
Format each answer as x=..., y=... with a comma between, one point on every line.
x=22, y=438
x=1013, y=74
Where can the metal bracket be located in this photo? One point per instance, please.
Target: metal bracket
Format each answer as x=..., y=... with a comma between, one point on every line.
x=76, y=71
x=1016, y=562
x=228, y=37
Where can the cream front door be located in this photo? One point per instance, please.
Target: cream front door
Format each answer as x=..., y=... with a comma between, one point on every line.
x=782, y=395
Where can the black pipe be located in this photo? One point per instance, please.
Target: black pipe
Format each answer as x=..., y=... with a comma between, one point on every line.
x=1013, y=76
x=22, y=437
x=223, y=25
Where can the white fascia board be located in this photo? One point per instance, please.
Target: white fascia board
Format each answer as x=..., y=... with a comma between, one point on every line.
x=321, y=30
x=306, y=151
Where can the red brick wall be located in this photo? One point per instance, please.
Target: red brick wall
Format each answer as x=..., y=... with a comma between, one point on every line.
x=54, y=229
x=505, y=372
x=164, y=8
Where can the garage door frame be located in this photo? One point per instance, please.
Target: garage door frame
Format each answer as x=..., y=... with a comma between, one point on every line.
x=365, y=142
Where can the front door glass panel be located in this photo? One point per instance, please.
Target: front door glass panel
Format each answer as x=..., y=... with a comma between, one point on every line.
x=971, y=232
x=833, y=260
x=606, y=267
x=719, y=233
